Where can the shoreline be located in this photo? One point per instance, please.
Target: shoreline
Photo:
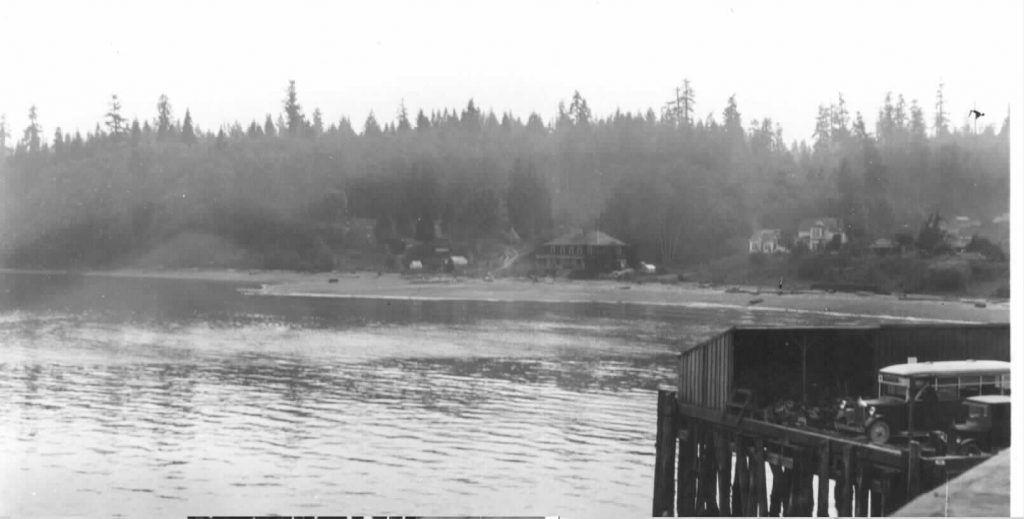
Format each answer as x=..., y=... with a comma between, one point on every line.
x=367, y=285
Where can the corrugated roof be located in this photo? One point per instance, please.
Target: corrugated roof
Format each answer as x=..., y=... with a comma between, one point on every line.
x=591, y=238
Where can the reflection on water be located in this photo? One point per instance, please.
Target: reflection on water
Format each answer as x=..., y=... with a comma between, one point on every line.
x=130, y=398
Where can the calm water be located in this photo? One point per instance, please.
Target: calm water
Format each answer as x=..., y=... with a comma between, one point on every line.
x=164, y=398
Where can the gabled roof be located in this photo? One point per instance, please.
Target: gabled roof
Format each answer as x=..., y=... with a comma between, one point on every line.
x=766, y=234
x=589, y=238
x=829, y=223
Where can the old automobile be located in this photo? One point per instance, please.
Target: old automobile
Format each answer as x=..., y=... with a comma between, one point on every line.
x=986, y=425
x=918, y=398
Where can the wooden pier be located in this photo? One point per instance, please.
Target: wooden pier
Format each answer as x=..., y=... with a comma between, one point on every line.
x=710, y=463
x=715, y=458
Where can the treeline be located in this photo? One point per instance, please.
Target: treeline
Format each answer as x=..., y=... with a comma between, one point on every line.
x=683, y=189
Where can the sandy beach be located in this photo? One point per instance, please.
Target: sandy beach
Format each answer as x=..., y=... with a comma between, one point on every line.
x=371, y=285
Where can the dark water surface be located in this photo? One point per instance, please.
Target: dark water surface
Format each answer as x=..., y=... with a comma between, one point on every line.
x=141, y=397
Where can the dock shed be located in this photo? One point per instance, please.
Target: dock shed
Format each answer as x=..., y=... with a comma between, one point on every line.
x=815, y=364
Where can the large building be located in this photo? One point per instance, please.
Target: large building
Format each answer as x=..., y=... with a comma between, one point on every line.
x=591, y=251
x=818, y=233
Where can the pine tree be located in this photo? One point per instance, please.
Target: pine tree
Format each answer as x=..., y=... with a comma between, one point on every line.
x=318, y=122
x=136, y=131
x=3, y=134
x=403, y=118
x=293, y=112
x=254, y=130
x=188, y=135
x=578, y=110
x=32, y=138
x=268, y=127
x=58, y=142
x=422, y=123
x=164, y=117
x=371, y=128
x=822, y=130
x=115, y=122
x=941, y=121
x=731, y=118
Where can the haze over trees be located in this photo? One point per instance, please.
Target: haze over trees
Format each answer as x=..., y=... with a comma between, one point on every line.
x=682, y=188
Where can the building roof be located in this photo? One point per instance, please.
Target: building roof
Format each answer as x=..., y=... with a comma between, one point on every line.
x=766, y=234
x=588, y=238
x=947, y=366
x=829, y=223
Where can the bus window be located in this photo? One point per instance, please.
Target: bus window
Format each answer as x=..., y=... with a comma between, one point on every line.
x=989, y=385
x=970, y=385
x=946, y=389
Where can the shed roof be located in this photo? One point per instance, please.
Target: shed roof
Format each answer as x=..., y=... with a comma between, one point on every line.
x=948, y=366
x=590, y=238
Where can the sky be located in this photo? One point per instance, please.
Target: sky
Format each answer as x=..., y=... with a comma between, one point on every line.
x=231, y=61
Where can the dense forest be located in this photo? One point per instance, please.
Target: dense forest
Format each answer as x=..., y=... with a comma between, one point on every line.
x=292, y=190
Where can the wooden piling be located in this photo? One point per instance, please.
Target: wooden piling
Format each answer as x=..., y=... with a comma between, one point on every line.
x=761, y=486
x=844, y=502
x=804, y=495
x=860, y=504
x=742, y=488
x=707, y=481
x=913, y=469
x=686, y=491
x=824, y=473
x=724, y=459
x=876, y=503
x=665, y=454
x=780, y=490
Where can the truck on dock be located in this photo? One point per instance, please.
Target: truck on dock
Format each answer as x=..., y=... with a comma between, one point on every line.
x=986, y=428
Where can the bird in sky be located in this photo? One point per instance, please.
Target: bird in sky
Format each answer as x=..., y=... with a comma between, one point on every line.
x=975, y=113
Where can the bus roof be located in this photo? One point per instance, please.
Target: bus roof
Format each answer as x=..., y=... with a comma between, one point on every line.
x=989, y=399
x=948, y=367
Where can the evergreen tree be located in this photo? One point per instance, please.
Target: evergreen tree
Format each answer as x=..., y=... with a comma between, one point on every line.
x=578, y=110
x=115, y=122
x=564, y=119
x=422, y=123
x=822, y=130
x=403, y=118
x=941, y=122
x=371, y=128
x=268, y=127
x=535, y=124
x=164, y=117
x=254, y=130
x=32, y=137
x=188, y=135
x=3, y=133
x=136, y=131
x=295, y=120
x=318, y=122
x=731, y=117
x=58, y=142
x=917, y=125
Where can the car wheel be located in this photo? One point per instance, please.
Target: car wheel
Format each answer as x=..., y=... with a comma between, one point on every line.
x=879, y=432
